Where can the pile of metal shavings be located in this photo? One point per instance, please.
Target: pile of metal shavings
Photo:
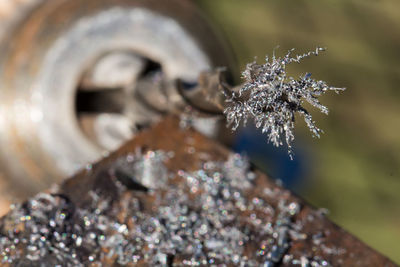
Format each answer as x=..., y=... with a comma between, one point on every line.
x=207, y=217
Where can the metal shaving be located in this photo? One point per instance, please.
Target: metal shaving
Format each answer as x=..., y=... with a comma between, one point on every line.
x=205, y=217
x=271, y=98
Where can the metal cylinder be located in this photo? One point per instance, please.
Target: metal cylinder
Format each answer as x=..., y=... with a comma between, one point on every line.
x=53, y=52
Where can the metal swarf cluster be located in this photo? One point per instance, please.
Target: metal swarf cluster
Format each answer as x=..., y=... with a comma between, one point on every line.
x=213, y=216
x=271, y=98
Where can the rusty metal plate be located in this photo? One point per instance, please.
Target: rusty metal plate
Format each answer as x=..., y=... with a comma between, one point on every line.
x=191, y=149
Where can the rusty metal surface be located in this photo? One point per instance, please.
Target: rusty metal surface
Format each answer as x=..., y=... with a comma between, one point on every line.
x=190, y=151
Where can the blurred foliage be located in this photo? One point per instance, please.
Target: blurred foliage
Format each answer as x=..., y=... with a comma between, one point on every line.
x=356, y=163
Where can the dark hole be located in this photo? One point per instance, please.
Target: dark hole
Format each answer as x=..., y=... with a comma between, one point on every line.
x=101, y=100
x=151, y=68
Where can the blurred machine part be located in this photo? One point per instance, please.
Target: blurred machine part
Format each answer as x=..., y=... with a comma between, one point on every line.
x=70, y=72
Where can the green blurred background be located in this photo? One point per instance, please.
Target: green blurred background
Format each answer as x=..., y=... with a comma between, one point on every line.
x=355, y=167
